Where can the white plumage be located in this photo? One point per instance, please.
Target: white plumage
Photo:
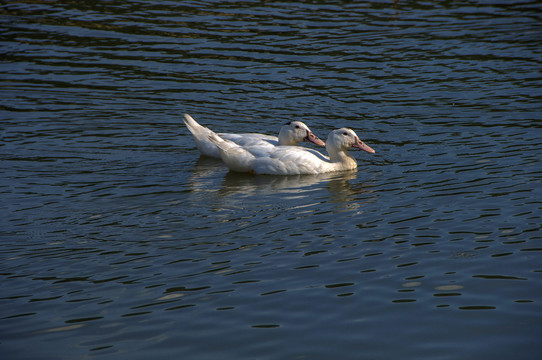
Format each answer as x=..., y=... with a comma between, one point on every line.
x=292, y=160
x=291, y=133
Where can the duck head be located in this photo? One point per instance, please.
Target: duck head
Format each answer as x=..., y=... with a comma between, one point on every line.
x=344, y=139
x=295, y=132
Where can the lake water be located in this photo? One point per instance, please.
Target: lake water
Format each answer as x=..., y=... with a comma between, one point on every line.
x=119, y=242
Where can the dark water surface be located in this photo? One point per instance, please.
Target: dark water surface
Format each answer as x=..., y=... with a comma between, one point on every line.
x=119, y=242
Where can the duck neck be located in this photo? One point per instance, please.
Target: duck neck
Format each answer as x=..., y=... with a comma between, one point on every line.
x=342, y=157
x=285, y=138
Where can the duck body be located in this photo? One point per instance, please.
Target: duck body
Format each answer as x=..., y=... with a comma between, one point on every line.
x=291, y=160
x=291, y=134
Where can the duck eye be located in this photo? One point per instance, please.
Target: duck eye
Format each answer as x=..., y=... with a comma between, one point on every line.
x=345, y=133
x=297, y=126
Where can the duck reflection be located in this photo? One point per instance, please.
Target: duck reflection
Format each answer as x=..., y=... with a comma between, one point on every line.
x=210, y=175
x=207, y=166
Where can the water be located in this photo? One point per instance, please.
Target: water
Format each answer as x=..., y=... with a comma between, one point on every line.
x=119, y=242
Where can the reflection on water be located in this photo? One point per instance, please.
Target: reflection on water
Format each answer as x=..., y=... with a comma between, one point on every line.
x=345, y=194
x=118, y=241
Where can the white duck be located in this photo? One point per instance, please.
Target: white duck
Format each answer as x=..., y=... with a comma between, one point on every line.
x=291, y=133
x=293, y=160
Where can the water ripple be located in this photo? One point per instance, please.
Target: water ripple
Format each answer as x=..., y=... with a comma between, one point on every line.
x=119, y=237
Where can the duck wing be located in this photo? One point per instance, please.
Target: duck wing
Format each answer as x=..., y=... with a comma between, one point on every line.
x=291, y=160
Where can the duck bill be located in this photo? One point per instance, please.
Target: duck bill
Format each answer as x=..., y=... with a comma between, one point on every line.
x=362, y=146
x=314, y=139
